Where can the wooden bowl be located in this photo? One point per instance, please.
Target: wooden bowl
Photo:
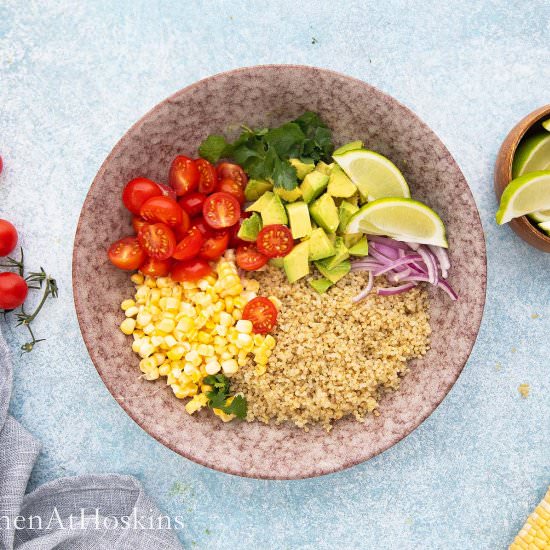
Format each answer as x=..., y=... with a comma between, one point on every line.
x=503, y=175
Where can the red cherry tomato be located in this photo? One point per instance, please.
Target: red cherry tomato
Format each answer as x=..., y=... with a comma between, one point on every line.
x=167, y=191
x=221, y=210
x=182, y=228
x=202, y=226
x=192, y=203
x=13, y=290
x=137, y=191
x=191, y=270
x=275, y=241
x=163, y=210
x=208, y=178
x=233, y=188
x=189, y=246
x=215, y=246
x=262, y=313
x=232, y=171
x=8, y=237
x=183, y=175
x=158, y=240
x=249, y=259
x=127, y=254
x=138, y=223
x=234, y=241
x=156, y=268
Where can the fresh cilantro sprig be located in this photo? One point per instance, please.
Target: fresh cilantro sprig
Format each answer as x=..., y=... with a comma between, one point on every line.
x=264, y=153
x=219, y=394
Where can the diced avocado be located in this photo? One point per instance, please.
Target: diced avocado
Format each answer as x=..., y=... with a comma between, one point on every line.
x=339, y=185
x=351, y=146
x=320, y=245
x=341, y=254
x=345, y=212
x=298, y=217
x=313, y=185
x=320, y=285
x=256, y=188
x=274, y=212
x=288, y=196
x=250, y=227
x=336, y=273
x=351, y=239
x=361, y=248
x=302, y=168
x=277, y=262
x=296, y=262
x=323, y=167
x=325, y=213
x=261, y=202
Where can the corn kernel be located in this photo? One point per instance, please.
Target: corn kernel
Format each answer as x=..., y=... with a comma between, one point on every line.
x=212, y=367
x=189, y=369
x=143, y=318
x=244, y=340
x=252, y=285
x=146, y=349
x=131, y=311
x=230, y=366
x=261, y=358
x=127, y=326
x=149, y=329
x=258, y=339
x=163, y=282
x=221, y=330
x=196, y=404
x=165, y=292
x=172, y=305
x=150, y=282
x=135, y=346
x=164, y=369
x=204, y=337
x=166, y=325
x=147, y=364
x=127, y=304
x=170, y=341
x=157, y=340
x=275, y=301
x=243, y=325
x=237, y=314
x=260, y=369
x=175, y=353
x=137, y=278
x=229, y=304
x=152, y=374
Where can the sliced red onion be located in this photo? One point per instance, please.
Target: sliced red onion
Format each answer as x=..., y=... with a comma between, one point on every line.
x=431, y=266
x=397, y=263
x=448, y=289
x=388, y=251
x=443, y=258
x=366, y=290
x=395, y=289
x=387, y=241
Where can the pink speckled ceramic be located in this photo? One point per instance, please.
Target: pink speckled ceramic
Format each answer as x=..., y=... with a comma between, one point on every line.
x=259, y=96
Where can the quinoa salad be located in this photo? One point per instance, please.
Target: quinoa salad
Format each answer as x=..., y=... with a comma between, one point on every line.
x=278, y=279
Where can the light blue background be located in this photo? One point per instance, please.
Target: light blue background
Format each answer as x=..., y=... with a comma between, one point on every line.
x=75, y=75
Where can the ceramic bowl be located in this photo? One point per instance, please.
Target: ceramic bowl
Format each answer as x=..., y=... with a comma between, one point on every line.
x=266, y=96
x=503, y=175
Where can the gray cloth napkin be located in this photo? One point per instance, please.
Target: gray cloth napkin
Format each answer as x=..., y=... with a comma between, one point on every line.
x=91, y=512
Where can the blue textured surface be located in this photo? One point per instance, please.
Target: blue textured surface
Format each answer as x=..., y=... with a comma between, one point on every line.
x=74, y=76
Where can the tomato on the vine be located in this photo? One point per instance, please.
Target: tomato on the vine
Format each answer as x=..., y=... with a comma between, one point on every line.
x=262, y=313
x=207, y=176
x=137, y=192
x=275, y=241
x=232, y=188
x=156, y=268
x=127, y=254
x=158, y=240
x=232, y=171
x=8, y=237
x=191, y=270
x=215, y=246
x=13, y=290
x=249, y=259
x=189, y=246
x=162, y=210
x=221, y=210
x=184, y=175
x=192, y=203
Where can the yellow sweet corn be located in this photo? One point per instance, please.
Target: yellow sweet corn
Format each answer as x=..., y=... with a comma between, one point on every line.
x=535, y=533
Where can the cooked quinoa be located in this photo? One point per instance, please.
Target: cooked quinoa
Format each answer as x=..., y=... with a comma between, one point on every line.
x=333, y=358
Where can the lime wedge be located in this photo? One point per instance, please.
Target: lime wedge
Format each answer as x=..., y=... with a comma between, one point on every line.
x=532, y=154
x=351, y=146
x=401, y=219
x=546, y=124
x=541, y=216
x=374, y=175
x=525, y=195
x=545, y=226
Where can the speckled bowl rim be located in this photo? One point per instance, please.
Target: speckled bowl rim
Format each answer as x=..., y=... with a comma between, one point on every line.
x=166, y=442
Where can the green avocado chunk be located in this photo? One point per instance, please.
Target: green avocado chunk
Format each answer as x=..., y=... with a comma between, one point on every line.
x=345, y=212
x=320, y=285
x=325, y=213
x=296, y=262
x=250, y=227
x=256, y=188
x=313, y=185
x=277, y=262
x=351, y=239
x=298, y=217
x=274, y=212
x=302, y=168
x=261, y=202
x=288, y=195
x=320, y=246
x=361, y=248
x=339, y=185
x=351, y=146
x=340, y=255
x=336, y=273
x=324, y=168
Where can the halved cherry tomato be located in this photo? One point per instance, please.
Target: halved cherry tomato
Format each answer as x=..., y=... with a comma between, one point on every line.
x=202, y=226
x=127, y=254
x=167, y=191
x=163, y=210
x=221, y=210
x=158, y=240
x=207, y=176
x=262, y=313
x=275, y=241
x=234, y=241
x=137, y=192
x=215, y=246
x=183, y=175
x=232, y=171
x=156, y=268
x=13, y=290
x=191, y=270
x=189, y=246
x=233, y=188
x=182, y=228
x=192, y=203
x=138, y=223
x=249, y=259
x=8, y=237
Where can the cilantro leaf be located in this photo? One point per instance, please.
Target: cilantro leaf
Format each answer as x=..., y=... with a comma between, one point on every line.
x=214, y=147
x=219, y=394
x=238, y=407
x=284, y=175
